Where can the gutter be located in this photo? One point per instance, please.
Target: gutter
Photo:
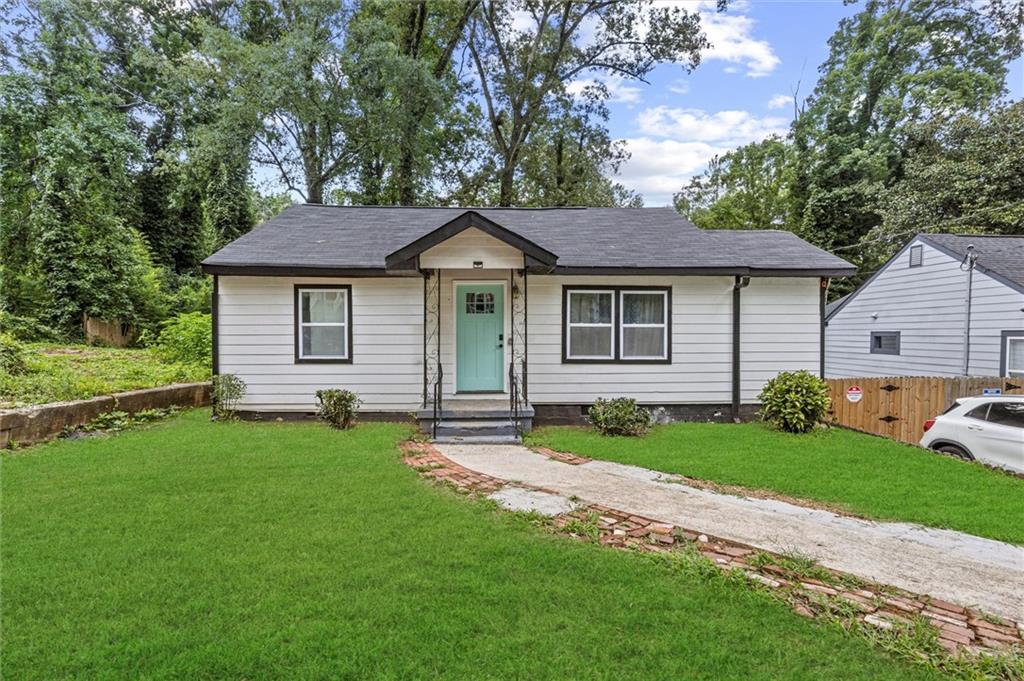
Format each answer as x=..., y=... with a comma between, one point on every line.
x=738, y=285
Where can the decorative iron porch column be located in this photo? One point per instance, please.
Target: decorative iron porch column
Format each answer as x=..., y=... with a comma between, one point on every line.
x=432, y=372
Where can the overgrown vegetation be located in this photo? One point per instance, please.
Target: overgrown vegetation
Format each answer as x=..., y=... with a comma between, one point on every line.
x=329, y=527
x=186, y=338
x=338, y=408
x=12, y=355
x=619, y=416
x=117, y=421
x=794, y=401
x=863, y=474
x=227, y=391
x=56, y=373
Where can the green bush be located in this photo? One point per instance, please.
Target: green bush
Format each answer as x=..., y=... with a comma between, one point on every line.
x=620, y=416
x=228, y=390
x=338, y=407
x=794, y=401
x=12, y=355
x=186, y=338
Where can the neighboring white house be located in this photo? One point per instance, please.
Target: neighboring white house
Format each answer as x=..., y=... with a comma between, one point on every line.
x=445, y=311
x=928, y=312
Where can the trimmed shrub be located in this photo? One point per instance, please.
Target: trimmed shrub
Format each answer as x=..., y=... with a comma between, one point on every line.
x=620, y=416
x=794, y=401
x=227, y=392
x=338, y=407
x=186, y=338
x=12, y=355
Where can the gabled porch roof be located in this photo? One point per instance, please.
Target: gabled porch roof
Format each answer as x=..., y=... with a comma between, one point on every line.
x=406, y=256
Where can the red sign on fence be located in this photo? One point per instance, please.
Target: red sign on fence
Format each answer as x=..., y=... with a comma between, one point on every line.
x=854, y=393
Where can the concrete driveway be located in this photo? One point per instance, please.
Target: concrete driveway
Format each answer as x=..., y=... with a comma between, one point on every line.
x=954, y=566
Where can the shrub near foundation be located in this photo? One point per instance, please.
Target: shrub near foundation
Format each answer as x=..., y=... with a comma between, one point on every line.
x=337, y=407
x=620, y=416
x=794, y=401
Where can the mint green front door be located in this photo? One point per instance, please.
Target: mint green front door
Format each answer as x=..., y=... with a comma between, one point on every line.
x=479, y=337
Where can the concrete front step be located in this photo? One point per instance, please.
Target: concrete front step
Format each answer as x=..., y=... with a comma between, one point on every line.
x=478, y=439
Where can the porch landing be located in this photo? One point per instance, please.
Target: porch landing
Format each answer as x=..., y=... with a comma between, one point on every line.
x=474, y=421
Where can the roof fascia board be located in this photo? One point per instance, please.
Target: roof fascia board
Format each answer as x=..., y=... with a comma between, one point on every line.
x=978, y=266
x=704, y=271
x=303, y=271
x=461, y=223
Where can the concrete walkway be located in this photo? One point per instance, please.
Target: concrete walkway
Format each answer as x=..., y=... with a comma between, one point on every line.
x=954, y=566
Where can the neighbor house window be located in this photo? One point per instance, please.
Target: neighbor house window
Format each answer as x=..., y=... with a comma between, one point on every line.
x=885, y=342
x=1013, y=354
x=628, y=324
x=323, y=324
x=916, y=255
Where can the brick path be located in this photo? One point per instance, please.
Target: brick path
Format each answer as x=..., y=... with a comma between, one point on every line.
x=830, y=593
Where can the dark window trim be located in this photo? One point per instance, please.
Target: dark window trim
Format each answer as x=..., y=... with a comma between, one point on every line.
x=616, y=357
x=348, y=323
x=917, y=250
x=879, y=351
x=1004, y=337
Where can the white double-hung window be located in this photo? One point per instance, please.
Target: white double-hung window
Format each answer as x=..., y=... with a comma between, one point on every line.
x=617, y=324
x=590, y=324
x=644, y=330
x=323, y=323
x=1013, y=354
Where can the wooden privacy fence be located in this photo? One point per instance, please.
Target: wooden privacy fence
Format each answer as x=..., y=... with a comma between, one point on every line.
x=897, y=407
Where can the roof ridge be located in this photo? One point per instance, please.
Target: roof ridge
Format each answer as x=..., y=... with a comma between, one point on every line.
x=522, y=208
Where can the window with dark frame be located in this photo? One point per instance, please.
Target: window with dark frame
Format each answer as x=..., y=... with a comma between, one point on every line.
x=916, y=256
x=1012, y=359
x=323, y=324
x=885, y=342
x=616, y=324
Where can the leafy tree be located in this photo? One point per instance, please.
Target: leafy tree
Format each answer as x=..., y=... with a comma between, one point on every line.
x=892, y=65
x=747, y=188
x=523, y=72
x=75, y=136
x=965, y=176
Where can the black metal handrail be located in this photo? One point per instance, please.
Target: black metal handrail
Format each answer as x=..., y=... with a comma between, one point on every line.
x=513, y=396
x=438, y=390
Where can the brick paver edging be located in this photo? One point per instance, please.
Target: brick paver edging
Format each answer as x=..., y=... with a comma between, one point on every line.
x=827, y=594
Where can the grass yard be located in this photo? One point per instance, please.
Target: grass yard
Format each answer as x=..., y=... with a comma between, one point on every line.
x=74, y=372
x=192, y=549
x=866, y=475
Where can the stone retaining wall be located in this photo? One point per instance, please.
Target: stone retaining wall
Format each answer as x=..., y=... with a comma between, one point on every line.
x=44, y=421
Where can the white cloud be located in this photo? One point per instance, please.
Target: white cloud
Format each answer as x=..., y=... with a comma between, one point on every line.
x=618, y=89
x=675, y=144
x=726, y=127
x=779, y=101
x=732, y=41
x=679, y=86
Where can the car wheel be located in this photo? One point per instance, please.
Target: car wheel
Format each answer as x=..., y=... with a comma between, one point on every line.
x=953, y=450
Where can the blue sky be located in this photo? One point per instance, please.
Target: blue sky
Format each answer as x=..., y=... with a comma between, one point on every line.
x=741, y=92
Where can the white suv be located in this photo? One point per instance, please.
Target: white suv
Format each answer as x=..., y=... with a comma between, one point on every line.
x=990, y=429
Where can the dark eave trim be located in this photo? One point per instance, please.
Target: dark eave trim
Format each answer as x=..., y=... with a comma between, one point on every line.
x=977, y=265
x=303, y=271
x=460, y=224
x=705, y=271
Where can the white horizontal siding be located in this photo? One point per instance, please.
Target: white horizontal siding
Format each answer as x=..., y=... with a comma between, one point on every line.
x=926, y=305
x=780, y=330
x=469, y=246
x=256, y=339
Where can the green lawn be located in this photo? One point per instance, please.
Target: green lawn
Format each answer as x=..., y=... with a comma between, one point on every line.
x=74, y=372
x=192, y=549
x=867, y=475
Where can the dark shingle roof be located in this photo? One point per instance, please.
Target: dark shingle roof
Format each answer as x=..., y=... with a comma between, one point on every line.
x=315, y=236
x=999, y=255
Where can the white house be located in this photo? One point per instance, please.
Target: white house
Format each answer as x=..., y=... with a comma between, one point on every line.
x=475, y=318
x=945, y=305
